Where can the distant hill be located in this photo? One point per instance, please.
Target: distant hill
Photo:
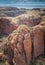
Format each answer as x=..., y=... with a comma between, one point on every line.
x=11, y=11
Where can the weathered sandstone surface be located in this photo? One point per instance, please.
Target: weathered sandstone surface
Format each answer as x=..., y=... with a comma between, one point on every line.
x=24, y=44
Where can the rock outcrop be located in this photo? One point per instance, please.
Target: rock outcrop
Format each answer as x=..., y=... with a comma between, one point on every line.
x=19, y=47
x=26, y=35
x=6, y=27
x=38, y=41
x=24, y=44
x=30, y=21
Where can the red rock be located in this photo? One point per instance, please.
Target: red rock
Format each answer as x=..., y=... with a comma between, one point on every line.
x=15, y=46
x=38, y=41
x=18, y=58
x=28, y=47
x=19, y=46
x=20, y=43
x=6, y=26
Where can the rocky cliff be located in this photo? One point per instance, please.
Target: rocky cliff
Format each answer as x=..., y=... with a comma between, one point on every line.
x=26, y=37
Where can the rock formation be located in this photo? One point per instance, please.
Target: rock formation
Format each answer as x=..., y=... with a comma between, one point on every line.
x=30, y=21
x=6, y=27
x=24, y=44
x=38, y=41
x=26, y=36
x=19, y=47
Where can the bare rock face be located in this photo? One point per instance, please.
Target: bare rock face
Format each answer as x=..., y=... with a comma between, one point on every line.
x=18, y=47
x=6, y=27
x=24, y=44
x=38, y=41
x=28, y=47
